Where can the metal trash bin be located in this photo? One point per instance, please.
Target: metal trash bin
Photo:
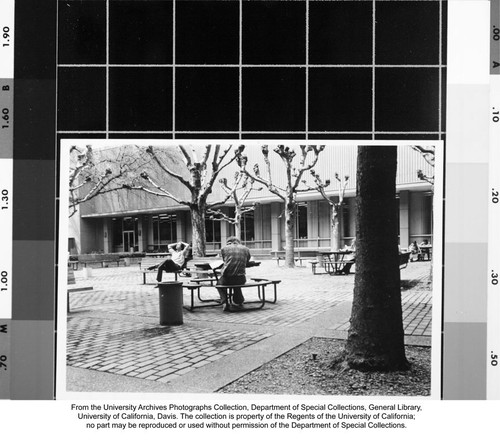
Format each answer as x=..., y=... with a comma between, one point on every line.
x=171, y=303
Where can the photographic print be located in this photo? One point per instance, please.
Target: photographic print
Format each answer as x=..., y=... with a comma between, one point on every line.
x=331, y=246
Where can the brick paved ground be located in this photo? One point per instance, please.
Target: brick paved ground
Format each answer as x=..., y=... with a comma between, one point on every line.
x=114, y=327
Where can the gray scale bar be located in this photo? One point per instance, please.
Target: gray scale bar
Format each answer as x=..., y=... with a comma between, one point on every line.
x=5, y=364
x=494, y=37
x=6, y=118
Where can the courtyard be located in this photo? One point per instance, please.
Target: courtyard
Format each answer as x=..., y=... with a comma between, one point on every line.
x=115, y=342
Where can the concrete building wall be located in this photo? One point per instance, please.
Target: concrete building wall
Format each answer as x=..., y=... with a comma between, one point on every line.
x=74, y=240
x=339, y=159
x=91, y=236
x=324, y=224
x=419, y=216
x=313, y=221
x=404, y=219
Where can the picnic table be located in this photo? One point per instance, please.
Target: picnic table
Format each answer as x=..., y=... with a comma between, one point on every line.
x=195, y=287
x=212, y=271
x=426, y=251
x=335, y=262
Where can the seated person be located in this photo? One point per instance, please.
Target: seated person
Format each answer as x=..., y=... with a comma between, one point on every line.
x=346, y=270
x=352, y=247
x=236, y=257
x=414, y=251
x=350, y=258
x=175, y=262
x=425, y=249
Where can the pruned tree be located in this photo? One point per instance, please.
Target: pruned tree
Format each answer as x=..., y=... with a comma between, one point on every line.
x=92, y=174
x=198, y=178
x=375, y=339
x=335, y=203
x=240, y=190
x=429, y=154
x=288, y=192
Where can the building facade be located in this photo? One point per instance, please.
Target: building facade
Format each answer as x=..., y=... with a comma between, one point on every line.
x=135, y=222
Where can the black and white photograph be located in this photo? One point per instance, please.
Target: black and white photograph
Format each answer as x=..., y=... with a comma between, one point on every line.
x=256, y=268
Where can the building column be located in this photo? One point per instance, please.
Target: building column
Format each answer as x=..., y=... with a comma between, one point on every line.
x=257, y=224
x=149, y=232
x=404, y=219
x=312, y=222
x=107, y=235
x=142, y=231
x=275, y=226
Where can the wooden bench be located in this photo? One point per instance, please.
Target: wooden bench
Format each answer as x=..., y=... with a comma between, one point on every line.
x=261, y=283
x=298, y=256
x=86, y=259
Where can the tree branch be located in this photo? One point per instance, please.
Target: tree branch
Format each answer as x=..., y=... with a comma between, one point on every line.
x=320, y=187
x=242, y=161
x=187, y=157
x=303, y=167
x=181, y=179
x=160, y=191
x=427, y=153
x=223, y=216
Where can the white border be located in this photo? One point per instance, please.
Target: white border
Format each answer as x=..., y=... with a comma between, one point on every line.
x=61, y=392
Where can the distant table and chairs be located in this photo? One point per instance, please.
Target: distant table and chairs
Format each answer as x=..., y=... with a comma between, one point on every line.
x=335, y=262
x=425, y=251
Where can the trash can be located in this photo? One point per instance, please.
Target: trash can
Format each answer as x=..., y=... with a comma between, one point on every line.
x=171, y=303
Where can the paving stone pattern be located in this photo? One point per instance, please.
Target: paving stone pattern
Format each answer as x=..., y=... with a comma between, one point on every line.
x=114, y=327
x=147, y=351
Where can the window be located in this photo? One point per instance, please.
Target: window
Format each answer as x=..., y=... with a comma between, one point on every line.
x=129, y=224
x=164, y=229
x=301, y=221
x=212, y=228
x=117, y=232
x=248, y=226
x=130, y=233
x=347, y=229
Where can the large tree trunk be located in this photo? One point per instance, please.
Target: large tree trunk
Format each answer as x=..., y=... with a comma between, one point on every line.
x=199, y=233
x=335, y=236
x=376, y=336
x=237, y=224
x=289, y=234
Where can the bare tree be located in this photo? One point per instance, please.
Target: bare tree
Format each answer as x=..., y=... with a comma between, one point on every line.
x=335, y=204
x=429, y=154
x=288, y=192
x=376, y=337
x=92, y=174
x=242, y=187
x=197, y=179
